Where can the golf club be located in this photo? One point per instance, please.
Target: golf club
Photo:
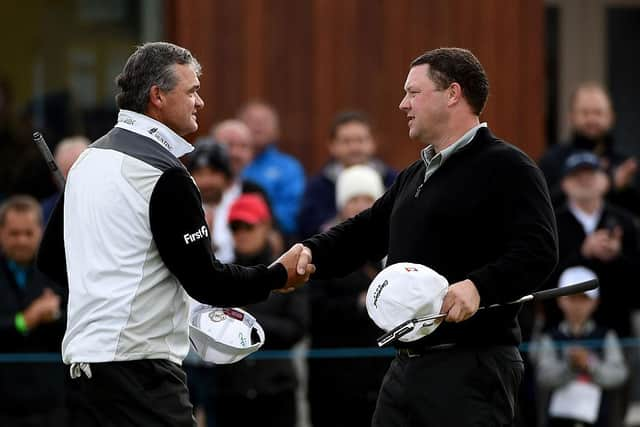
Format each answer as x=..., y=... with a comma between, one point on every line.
x=48, y=157
x=406, y=327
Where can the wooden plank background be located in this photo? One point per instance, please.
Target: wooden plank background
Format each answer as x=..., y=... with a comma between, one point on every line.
x=312, y=58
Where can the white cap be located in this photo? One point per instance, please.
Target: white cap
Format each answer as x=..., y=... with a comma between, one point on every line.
x=224, y=335
x=358, y=180
x=402, y=292
x=578, y=274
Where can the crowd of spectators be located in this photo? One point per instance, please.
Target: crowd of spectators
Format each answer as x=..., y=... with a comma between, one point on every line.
x=257, y=200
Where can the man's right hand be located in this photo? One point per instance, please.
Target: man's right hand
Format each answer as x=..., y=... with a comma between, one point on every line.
x=44, y=309
x=297, y=262
x=603, y=244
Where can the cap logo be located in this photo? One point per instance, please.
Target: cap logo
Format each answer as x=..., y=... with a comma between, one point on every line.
x=410, y=269
x=243, y=340
x=217, y=316
x=234, y=314
x=377, y=292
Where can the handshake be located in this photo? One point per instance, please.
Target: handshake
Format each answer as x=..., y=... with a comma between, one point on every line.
x=297, y=262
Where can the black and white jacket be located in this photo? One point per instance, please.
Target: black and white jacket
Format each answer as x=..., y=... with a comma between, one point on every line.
x=129, y=237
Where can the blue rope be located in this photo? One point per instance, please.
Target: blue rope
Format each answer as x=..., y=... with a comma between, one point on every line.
x=319, y=353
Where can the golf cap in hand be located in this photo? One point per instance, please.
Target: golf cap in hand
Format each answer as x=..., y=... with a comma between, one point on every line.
x=402, y=292
x=224, y=335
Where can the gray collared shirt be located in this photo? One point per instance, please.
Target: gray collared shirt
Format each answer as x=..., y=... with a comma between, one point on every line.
x=433, y=160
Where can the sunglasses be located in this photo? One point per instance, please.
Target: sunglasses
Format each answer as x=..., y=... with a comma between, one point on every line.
x=236, y=226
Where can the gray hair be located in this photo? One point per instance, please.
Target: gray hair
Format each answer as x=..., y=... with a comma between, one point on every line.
x=151, y=64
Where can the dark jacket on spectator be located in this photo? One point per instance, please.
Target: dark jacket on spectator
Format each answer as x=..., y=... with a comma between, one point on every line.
x=619, y=293
x=339, y=319
x=319, y=200
x=28, y=387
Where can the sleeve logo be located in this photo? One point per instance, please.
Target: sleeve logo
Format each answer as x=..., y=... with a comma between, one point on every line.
x=200, y=234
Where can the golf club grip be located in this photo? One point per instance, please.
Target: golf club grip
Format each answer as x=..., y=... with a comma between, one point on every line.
x=48, y=157
x=565, y=290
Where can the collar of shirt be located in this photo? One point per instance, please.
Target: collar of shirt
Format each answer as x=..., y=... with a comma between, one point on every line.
x=154, y=130
x=588, y=221
x=19, y=273
x=587, y=328
x=429, y=153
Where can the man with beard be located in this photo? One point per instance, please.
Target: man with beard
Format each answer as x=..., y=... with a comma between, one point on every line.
x=592, y=120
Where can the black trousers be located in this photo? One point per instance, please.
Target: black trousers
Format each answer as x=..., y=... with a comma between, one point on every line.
x=132, y=393
x=53, y=418
x=459, y=386
x=276, y=410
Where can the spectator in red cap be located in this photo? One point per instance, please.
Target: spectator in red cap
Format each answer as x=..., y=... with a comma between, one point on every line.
x=255, y=387
x=250, y=223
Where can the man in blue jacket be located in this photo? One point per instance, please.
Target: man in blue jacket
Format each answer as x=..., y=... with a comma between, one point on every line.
x=279, y=174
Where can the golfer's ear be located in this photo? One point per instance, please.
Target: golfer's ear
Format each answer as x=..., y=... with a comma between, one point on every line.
x=156, y=97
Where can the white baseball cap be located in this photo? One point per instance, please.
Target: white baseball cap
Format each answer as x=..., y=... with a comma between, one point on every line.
x=402, y=292
x=224, y=335
x=578, y=274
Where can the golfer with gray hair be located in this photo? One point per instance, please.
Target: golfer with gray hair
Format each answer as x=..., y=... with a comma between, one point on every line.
x=477, y=211
x=130, y=239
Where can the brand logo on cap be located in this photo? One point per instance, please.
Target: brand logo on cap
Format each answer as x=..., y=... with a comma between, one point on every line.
x=377, y=292
x=235, y=314
x=217, y=316
x=410, y=269
x=243, y=340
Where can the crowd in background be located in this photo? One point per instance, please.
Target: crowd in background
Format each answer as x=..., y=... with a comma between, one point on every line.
x=258, y=200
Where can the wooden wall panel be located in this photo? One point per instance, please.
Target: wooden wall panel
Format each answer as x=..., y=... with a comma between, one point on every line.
x=312, y=58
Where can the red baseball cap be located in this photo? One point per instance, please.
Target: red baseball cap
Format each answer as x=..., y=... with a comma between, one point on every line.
x=249, y=208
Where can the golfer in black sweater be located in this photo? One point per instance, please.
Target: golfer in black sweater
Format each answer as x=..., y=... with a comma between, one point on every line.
x=476, y=210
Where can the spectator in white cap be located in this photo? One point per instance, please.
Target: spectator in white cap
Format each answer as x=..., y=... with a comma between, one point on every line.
x=357, y=187
x=580, y=361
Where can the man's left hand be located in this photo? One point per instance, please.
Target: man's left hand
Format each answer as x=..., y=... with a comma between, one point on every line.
x=461, y=301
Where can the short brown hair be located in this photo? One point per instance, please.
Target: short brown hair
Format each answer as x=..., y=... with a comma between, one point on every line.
x=455, y=65
x=20, y=204
x=345, y=117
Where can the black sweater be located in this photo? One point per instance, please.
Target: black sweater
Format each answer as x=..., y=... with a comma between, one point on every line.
x=484, y=215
